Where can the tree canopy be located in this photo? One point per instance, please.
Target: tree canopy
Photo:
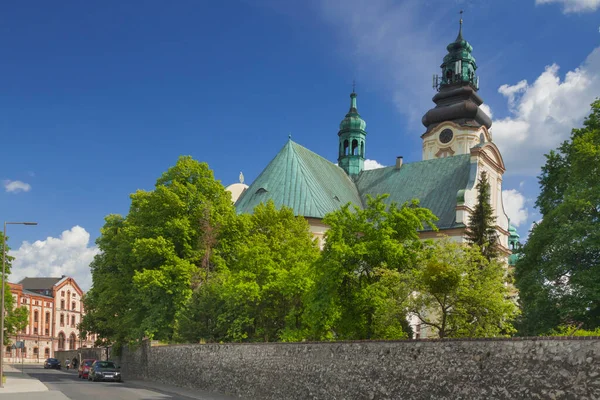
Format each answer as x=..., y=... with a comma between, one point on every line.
x=151, y=259
x=558, y=275
x=458, y=292
x=358, y=291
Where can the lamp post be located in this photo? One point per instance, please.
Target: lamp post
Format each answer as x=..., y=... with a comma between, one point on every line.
x=2, y=296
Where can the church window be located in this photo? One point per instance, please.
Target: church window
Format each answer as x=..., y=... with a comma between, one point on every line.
x=355, y=147
x=362, y=149
x=345, y=147
x=261, y=190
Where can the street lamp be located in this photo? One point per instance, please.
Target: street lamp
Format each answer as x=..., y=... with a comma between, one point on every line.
x=2, y=296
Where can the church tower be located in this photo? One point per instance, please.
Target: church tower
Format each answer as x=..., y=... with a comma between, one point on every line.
x=456, y=123
x=352, y=136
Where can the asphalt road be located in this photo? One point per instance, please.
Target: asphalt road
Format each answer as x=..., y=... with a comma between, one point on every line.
x=67, y=383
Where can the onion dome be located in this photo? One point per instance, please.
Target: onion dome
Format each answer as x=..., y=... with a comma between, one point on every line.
x=352, y=121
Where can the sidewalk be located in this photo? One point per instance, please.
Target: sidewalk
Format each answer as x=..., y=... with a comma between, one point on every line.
x=18, y=382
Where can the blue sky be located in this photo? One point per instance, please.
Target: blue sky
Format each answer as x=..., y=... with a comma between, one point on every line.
x=99, y=98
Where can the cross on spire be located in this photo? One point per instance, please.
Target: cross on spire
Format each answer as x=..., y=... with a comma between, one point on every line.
x=461, y=13
x=353, y=86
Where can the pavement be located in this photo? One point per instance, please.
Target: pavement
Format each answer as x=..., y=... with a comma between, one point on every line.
x=36, y=383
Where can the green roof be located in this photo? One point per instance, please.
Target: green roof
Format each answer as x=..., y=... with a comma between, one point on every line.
x=302, y=180
x=313, y=186
x=434, y=182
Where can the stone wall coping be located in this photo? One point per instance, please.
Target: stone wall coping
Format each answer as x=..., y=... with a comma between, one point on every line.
x=432, y=340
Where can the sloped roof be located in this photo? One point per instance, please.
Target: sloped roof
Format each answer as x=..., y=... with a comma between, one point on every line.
x=302, y=180
x=29, y=292
x=434, y=182
x=39, y=283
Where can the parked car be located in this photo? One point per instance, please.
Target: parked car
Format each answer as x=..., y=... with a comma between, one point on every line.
x=84, y=368
x=104, y=371
x=51, y=363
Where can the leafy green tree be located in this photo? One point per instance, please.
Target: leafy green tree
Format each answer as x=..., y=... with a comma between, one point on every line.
x=16, y=318
x=482, y=222
x=558, y=275
x=151, y=260
x=366, y=251
x=260, y=295
x=460, y=293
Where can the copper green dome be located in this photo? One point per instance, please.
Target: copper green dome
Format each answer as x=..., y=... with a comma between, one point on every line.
x=352, y=121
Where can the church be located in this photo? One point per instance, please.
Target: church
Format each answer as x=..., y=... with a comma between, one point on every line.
x=457, y=147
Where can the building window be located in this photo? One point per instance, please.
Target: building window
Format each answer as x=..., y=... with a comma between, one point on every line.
x=35, y=316
x=62, y=304
x=62, y=293
x=73, y=306
x=62, y=319
x=46, y=352
x=35, y=330
x=35, y=351
x=61, y=341
x=47, y=318
x=72, y=341
x=72, y=320
x=47, y=332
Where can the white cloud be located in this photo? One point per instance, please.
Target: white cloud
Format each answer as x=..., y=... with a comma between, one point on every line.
x=573, y=6
x=16, y=186
x=70, y=254
x=389, y=40
x=372, y=164
x=514, y=205
x=543, y=113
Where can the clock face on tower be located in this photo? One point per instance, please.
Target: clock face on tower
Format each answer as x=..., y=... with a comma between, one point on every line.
x=446, y=135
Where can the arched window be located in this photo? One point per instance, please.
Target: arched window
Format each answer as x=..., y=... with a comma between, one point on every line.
x=62, y=304
x=46, y=352
x=345, y=147
x=362, y=149
x=72, y=341
x=35, y=316
x=341, y=150
x=61, y=341
x=355, y=147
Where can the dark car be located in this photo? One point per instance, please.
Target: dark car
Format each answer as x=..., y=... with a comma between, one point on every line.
x=104, y=371
x=84, y=368
x=51, y=363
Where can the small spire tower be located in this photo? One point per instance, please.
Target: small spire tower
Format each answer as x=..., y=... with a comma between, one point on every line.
x=352, y=137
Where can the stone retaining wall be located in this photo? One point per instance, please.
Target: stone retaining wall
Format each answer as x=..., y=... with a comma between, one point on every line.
x=97, y=353
x=531, y=368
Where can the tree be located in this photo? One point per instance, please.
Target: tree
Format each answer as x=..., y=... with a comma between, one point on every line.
x=482, y=222
x=365, y=254
x=458, y=292
x=151, y=259
x=259, y=297
x=16, y=318
x=558, y=275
